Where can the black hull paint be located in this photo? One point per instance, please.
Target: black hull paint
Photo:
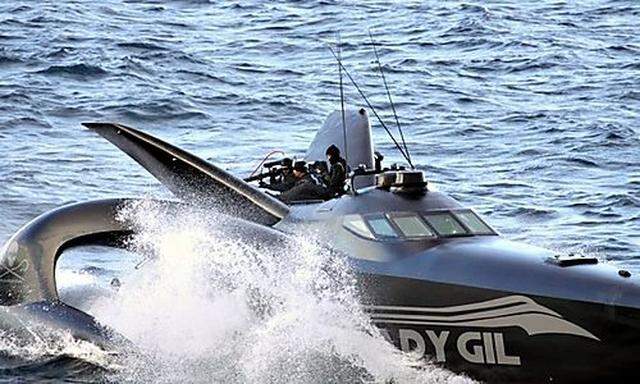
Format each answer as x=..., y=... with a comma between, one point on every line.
x=550, y=357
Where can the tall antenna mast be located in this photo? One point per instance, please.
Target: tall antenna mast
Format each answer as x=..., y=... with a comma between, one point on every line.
x=366, y=100
x=344, y=119
x=393, y=108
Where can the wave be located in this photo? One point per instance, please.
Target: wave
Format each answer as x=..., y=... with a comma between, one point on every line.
x=42, y=354
x=582, y=161
x=75, y=70
x=621, y=200
x=216, y=78
x=20, y=8
x=15, y=96
x=55, y=369
x=9, y=59
x=25, y=121
x=630, y=95
x=532, y=65
x=533, y=152
x=533, y=212
x=142, y=45
x=60, y=52
x=521, y=117
x=506, y=184
x=155, y=110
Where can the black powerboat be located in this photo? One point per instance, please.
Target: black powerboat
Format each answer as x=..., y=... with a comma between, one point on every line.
x=434, y=276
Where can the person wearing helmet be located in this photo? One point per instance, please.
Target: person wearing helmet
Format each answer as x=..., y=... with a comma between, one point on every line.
x=335, y=179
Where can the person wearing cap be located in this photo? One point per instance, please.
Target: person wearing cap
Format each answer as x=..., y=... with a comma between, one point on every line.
x=335, y=179
x=304, y=187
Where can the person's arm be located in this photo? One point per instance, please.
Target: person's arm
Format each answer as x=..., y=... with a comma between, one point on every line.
x=278, y=187
x=293, y=194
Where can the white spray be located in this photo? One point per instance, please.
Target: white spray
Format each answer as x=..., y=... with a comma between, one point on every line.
x=213, y=307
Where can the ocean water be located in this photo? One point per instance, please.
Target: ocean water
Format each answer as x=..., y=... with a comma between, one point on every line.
x=527, y=111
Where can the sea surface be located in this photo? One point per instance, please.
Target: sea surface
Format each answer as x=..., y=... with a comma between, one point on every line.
x=528, y=111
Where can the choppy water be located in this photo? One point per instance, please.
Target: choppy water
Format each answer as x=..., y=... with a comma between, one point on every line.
x=528, y=111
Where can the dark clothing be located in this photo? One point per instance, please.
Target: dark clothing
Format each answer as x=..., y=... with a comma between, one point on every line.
x=304, y=188
x=284, y=183
x=335, y=180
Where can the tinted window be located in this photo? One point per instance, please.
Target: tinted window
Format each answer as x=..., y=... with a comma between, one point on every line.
x=473, y=222
x=381, y=227
x=356, y=224
x=412, y=226
x=445, y=224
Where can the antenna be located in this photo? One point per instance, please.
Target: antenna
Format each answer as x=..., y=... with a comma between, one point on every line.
x=393, y=108
x=344, y=120
x=366, y=100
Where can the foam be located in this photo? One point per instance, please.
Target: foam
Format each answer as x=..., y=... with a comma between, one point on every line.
x=212, y=307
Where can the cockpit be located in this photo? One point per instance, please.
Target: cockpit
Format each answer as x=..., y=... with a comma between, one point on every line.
x=389, y=226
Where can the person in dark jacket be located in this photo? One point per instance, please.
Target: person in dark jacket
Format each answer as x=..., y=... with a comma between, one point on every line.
x=284, y=181
x=335, y=179
x=304, y=188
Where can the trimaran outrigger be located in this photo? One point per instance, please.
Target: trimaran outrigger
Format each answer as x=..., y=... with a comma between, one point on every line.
x=438, y=279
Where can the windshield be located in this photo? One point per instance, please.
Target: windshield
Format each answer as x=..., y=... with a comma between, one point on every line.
x=474, y=223
x=382, y=227
x=412, y=226
x=417, y=226
x=356, y=225
x=445, y=224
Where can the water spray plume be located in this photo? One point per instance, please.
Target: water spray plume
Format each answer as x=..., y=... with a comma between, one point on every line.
x=213, y=306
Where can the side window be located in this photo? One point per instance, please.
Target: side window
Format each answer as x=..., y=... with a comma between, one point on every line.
x=473, y=222
x=356, y=224
x=381, y=226
x=445, y=224
x=412, y=226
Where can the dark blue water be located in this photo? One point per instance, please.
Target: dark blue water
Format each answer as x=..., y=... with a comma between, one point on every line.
x=528, y=111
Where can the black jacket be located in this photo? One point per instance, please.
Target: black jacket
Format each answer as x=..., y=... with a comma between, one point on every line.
x=304, y=188
x=286, y=182
x=335, y=179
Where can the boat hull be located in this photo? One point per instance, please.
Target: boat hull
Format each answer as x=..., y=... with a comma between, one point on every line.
x=499, y=336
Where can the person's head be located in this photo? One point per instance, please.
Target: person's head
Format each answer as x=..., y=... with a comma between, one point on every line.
x=287, y=165
x=319, y=166
x=333, y=154
x=300, y=169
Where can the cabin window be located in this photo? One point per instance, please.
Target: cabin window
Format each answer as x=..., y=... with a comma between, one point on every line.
x=445, y=224
x=474, y=223
x=381, y=227
x=411, y=225
x=356, y=224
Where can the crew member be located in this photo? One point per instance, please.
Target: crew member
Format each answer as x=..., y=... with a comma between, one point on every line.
x=335, y=179
x=284, y=181
x=304, y=188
